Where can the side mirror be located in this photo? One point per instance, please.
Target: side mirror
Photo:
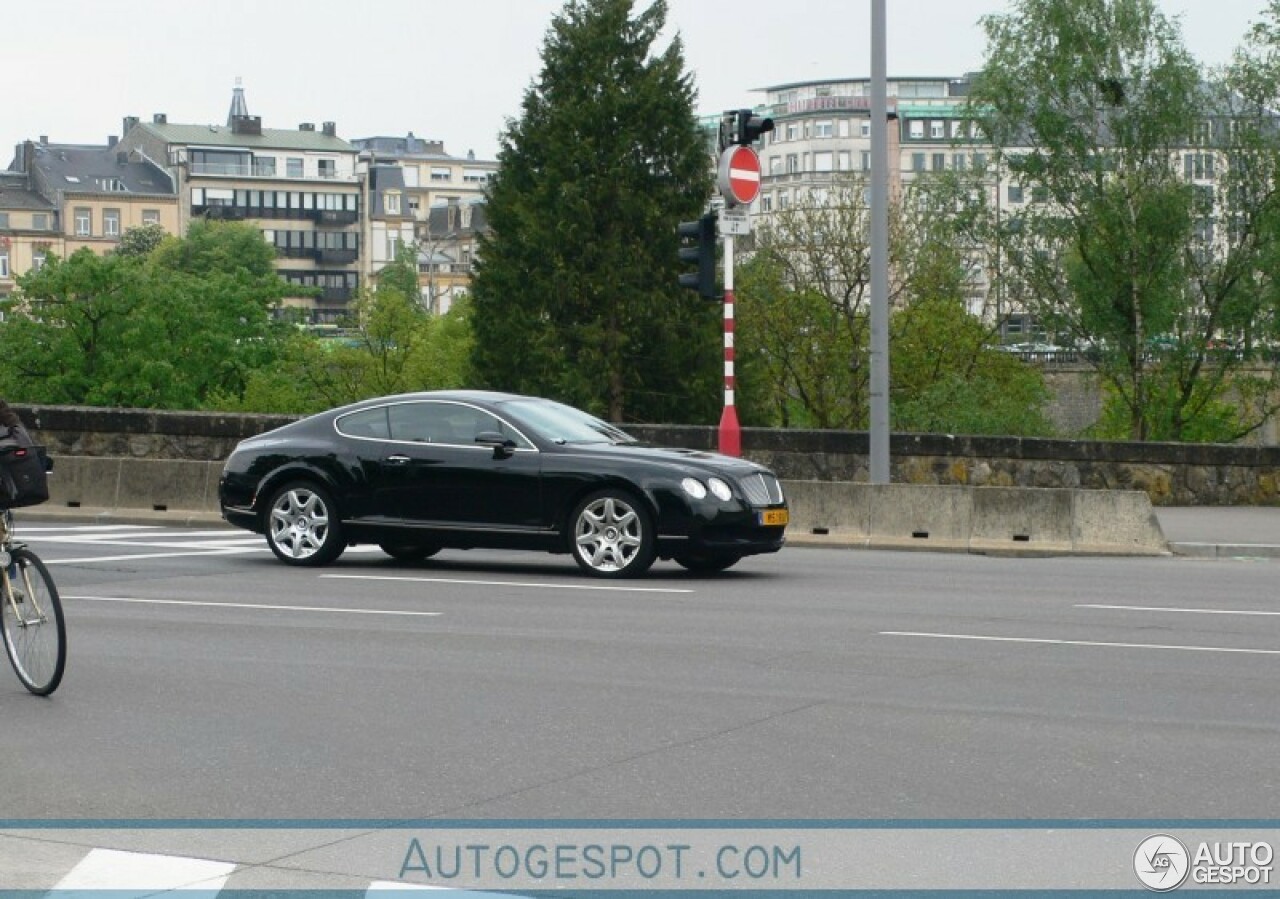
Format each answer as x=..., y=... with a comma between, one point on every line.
x=503, y=447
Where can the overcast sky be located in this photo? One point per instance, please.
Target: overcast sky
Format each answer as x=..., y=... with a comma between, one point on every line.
x=452, y=70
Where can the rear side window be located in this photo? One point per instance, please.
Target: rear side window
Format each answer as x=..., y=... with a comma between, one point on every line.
x=370, y=423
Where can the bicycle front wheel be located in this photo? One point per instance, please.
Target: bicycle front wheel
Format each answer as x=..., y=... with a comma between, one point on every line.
x=35, y=636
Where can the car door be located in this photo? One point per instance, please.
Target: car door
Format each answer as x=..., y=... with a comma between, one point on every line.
x=436, y=475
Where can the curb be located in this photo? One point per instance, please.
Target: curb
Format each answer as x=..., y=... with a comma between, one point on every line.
x=1190, y=550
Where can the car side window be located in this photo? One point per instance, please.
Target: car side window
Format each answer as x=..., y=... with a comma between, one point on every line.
x=416, y=422
x=369, y=423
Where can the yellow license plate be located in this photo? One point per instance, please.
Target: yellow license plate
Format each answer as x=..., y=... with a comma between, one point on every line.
x=773, y=517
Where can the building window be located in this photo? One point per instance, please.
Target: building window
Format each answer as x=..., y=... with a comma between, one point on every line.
x=866, y=160
x=823, y=128
x=84, y=222
x=822, y=162
x=844, y=162
x=293, y=167
x=111, y=222
x=4, y=263
x=328, y=168
x=265, y=166
x=1015, y=193
x=917, y=162
x=958, y=162
x=937, y=130
x=957, y=127
x=793, y=163
x=939, y=162
x=766, y=203
x=979, y=161
x=917, y=130
x=4, y=220
x=865, y=129
x=775, y=165
x=391, y=203
x=1198, y=166
x=474, y=176
x=784, y=199
x=441, y=174
x=40, y=221
x=413, y=204
x=844, y=127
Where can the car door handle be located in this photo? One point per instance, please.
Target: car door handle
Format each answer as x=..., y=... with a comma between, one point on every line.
x=397, y=460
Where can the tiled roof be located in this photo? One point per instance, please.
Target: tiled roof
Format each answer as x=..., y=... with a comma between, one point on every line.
x=76, y=168
x=15, y=194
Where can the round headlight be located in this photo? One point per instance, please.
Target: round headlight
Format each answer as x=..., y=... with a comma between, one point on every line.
x=694, y=488
x=720, y=489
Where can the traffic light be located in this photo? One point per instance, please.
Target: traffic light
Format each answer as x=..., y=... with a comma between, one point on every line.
x=750, y=127
x=698, y=245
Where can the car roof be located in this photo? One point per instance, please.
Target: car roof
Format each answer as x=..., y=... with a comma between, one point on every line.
x=465, y=396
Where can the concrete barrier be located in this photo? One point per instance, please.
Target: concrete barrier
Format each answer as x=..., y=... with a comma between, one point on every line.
x=152, y=485
x=993, y=520
x=989, y=520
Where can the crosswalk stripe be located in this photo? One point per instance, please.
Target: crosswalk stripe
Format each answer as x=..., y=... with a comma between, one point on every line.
x=140, y=873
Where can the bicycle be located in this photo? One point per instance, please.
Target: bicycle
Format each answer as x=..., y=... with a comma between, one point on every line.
x=31, y=622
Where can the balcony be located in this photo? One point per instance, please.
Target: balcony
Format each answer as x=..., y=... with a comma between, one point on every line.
x=335, y=217
x=241, y=170
x=335, y=256
x=223, y=213
x=336, y=294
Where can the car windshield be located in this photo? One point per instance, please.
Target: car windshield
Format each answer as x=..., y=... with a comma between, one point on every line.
x=565, y=424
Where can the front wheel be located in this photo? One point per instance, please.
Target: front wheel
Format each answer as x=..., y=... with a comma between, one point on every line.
x=611, y=535
x=35, y=636
x=303, y=526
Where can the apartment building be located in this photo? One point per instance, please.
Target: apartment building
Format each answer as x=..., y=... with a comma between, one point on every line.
x=822, y=133
x=60, y=198
x=27, y=229
x=300, y=186
x=420, y=193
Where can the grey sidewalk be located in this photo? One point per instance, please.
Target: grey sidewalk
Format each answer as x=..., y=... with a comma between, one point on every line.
x=1218, y=532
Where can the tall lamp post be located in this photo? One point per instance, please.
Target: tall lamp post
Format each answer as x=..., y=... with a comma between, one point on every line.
x=879, y=473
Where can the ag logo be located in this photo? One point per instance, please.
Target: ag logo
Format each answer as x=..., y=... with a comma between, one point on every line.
x=1161, y=863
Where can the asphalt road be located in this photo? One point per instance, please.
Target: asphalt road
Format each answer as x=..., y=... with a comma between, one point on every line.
x=207, y=680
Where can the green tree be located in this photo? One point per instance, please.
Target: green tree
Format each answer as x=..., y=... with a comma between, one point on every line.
x=171, y=328
x=803, y=319
x=1096, y=108
x=574, y=293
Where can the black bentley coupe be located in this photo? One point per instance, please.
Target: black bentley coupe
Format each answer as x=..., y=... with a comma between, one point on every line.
x=421, y=472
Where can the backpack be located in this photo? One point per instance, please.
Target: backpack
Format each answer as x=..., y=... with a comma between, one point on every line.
x=24, y=469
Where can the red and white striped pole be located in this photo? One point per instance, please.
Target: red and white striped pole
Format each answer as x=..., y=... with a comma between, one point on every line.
x=730, y=432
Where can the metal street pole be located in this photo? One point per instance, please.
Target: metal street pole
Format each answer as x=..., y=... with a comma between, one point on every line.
x=879, y=250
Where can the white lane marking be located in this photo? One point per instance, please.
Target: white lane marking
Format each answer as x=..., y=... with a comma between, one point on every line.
x=168, y=555
x=140, y=873
x=157, y=543
x=479, y=583
x=1261, y=652
x=88, y=528
x=252, y=605
x=1092, y=605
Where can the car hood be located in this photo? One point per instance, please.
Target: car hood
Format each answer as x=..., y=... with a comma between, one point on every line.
x=694, y=460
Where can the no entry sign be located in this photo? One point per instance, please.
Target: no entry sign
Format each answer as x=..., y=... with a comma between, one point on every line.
x=739, y=175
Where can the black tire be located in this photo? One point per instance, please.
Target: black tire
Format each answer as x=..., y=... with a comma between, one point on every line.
x=610, y=535
x=302, y=525
x=32, y=626
x=708, y=564
x=409, y=552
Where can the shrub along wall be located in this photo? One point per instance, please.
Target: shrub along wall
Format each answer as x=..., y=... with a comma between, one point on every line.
x=1170, y=473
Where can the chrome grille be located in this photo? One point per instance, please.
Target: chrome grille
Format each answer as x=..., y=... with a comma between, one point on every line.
x=762, y=489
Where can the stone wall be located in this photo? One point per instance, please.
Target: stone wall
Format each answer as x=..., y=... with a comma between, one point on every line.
x=1171, y=474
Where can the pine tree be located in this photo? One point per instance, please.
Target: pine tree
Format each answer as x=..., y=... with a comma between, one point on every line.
x=575, y=291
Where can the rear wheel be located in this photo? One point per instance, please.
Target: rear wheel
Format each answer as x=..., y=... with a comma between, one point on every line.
x=35, y=636
x=709, y=564
x=303, y=526
x=409, y=552
x=611, y=535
